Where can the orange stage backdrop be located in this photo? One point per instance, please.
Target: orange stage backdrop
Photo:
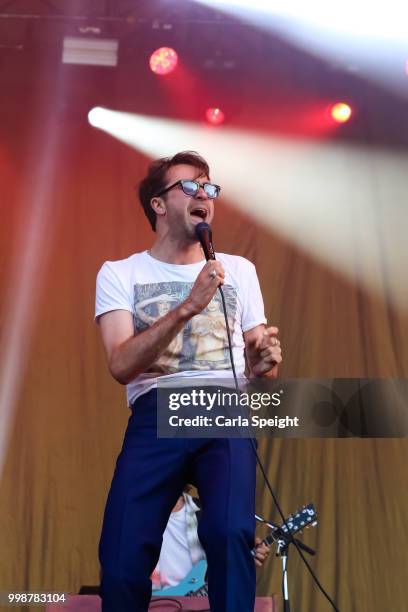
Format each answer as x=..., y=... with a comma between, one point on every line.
x=68, y=415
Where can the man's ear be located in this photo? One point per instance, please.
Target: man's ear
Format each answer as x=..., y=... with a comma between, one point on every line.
x=159, y=206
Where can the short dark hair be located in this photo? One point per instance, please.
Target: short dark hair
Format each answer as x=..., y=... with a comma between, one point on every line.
x=155, y=180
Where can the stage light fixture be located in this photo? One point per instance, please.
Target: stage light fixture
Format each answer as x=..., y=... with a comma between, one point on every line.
x=340, y=112
x=90, y=51
x=215, y=116
x=163, y=61
x=95, y=116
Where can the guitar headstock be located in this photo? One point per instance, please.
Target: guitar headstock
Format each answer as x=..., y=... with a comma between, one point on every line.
x=305, y=517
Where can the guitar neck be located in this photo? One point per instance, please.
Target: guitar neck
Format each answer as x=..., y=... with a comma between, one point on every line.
x=203, y=592
x=269, y=539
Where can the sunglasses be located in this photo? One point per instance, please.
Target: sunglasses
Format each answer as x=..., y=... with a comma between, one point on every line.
x=191, y=188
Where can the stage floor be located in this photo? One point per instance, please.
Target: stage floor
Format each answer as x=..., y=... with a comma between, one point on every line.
x=92, y=603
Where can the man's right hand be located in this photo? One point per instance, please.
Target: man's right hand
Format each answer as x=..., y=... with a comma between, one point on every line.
x=205, y=287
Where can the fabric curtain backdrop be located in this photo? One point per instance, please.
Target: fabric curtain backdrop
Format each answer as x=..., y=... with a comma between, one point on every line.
x=68, y=204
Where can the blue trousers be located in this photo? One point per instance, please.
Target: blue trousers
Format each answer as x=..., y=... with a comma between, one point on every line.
x=149, y=477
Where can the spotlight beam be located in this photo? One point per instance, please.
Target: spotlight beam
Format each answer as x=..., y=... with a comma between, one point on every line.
x=364, y=37
x=26, y=274
x=28, y=261
x=316, y=194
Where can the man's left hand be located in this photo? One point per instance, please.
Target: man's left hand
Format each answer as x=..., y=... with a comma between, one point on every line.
x=263, y=351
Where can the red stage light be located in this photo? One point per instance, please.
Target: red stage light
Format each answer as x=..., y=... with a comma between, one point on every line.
x=340, y=112
x=163, y=60
x=215, y=116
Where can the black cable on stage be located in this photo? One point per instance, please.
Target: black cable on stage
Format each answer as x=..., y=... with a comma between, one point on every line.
x=204, y=235
x=224, y=308
x=251, y=437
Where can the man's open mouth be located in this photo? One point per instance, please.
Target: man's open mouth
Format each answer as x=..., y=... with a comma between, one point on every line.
x=199, y=212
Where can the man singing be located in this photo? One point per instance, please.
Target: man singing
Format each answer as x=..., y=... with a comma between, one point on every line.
x=146, y=307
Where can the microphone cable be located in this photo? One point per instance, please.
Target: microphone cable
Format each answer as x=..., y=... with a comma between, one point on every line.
x=204, y=235
x=265, y=477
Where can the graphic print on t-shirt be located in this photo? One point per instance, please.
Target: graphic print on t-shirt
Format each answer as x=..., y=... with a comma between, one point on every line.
x=202, y=344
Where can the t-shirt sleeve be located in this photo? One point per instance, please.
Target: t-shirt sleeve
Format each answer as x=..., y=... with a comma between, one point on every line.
x=253, y=311
x=111, y=291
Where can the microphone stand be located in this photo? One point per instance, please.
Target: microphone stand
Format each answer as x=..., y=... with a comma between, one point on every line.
x=282, y=541
x=283, y=553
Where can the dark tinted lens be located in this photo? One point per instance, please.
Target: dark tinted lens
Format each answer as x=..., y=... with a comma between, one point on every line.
x=190, y=187
x=212, y=191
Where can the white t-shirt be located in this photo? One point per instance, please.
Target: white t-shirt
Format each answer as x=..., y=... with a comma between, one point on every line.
x=149, y=288
x=177, y=555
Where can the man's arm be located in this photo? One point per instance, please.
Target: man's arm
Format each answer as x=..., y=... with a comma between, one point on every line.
x=129, y=355
x=263, y=351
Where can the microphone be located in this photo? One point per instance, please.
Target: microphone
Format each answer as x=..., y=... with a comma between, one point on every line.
x=204, y=234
